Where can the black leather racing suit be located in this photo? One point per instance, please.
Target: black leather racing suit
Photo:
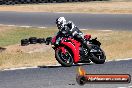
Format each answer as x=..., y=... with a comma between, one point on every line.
x=70, y=29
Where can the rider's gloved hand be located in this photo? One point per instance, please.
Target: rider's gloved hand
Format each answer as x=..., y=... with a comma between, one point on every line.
x=78, y=37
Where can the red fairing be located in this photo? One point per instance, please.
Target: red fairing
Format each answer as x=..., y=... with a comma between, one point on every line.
x=62, y=49
x=53, y=40
x=74, y=46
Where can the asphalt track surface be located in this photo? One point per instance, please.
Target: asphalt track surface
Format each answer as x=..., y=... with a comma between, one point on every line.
x=95, y=21
x=63, y=77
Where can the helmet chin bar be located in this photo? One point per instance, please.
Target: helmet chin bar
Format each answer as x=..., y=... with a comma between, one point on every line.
x=59, y=27
x=61, y=21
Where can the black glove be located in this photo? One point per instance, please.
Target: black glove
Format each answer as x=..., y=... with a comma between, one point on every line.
x=79, y=38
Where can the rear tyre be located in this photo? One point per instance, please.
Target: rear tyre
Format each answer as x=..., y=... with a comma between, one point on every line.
x=24, y=42
x=66, y=59
x=41, y=40
x=7, y=2
x=13, y=3
x=33, y=40
x=1, y=2
x=98, y=57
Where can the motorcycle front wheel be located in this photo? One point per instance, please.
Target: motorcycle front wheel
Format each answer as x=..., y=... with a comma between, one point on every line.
x=66, y=59
x=97, y=55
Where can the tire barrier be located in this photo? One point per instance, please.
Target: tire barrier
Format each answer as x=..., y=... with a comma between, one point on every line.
x=41, y=40
x=35, y=40
x=24, y=42
x=13, y=2
x=48, y=40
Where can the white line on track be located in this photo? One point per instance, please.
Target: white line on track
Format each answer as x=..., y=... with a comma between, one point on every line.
x=11, y=25
x=19, y=68
x=26, y=26
x=125, y=87
x=119, y=59
x=1, y=24
x=105, y=30
x=59, y=65
x=83, y=29
x=130, y=87
x=42, y=27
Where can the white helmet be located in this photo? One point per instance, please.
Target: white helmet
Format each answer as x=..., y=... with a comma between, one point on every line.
x=60, y=22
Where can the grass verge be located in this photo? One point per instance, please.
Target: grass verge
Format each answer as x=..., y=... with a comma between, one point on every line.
x=116, y=44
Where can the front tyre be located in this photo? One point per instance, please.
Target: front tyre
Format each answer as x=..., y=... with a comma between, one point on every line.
x=97, y=55
x=65, y=59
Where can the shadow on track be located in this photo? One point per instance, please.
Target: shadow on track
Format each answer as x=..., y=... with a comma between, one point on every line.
x=51, y=66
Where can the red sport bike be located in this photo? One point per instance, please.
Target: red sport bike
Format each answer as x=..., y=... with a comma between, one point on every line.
x=69, y=51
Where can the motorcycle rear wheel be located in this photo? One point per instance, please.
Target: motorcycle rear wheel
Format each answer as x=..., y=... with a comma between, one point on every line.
x=98, y=57
x=66, y=59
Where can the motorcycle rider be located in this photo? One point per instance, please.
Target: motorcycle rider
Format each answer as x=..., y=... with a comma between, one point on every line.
x=69, y=28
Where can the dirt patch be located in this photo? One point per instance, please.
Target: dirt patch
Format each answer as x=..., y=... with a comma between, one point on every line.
x=27, y=56
x=4, y=28
x=84, y=7
x=27, y=49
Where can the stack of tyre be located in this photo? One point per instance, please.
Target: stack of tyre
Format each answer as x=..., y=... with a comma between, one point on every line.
x=35, y=40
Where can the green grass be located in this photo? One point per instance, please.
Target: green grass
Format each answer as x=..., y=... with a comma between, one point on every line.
x=15, y=35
